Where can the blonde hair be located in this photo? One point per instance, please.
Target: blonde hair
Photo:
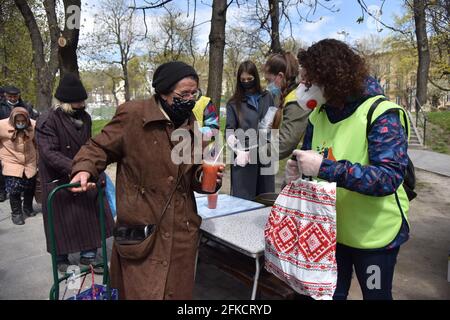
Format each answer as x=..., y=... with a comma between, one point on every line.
x=64, y=106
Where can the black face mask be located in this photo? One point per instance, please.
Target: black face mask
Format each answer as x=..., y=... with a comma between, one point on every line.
x=248, y=85
x=78, y=113
x=180, y=110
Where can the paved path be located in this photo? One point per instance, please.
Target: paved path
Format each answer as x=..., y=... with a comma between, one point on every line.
x=431, y=161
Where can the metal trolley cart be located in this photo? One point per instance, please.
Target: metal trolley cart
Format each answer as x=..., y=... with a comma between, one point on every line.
x=54, y=291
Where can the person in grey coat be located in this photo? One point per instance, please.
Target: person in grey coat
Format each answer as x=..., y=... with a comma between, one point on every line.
x=249, y=108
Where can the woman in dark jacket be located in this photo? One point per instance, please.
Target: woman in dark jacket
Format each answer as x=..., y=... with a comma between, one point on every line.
x=60, y=133
x=248, y=109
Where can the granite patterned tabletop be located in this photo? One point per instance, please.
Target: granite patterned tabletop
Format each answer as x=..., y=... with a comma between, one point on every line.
x=242, y=231
x=226, y=205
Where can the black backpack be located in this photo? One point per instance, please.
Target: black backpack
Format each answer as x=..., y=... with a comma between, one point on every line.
x=409, y=182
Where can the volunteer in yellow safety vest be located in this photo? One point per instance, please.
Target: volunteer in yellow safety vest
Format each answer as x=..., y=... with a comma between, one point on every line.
x=207, y=116
x=367, y=161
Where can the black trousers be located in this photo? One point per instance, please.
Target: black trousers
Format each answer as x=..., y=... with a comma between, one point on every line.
x=374, y=271
x=2, y=180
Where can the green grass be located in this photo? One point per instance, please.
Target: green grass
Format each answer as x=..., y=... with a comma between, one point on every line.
x=97, y=126
x=438, y=135
x=441, y=118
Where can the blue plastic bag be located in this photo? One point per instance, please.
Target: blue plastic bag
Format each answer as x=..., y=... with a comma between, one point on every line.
x=111, y=195
x=97, y=292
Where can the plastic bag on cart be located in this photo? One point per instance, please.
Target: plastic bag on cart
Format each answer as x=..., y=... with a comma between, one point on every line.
x=95, y=291
x=300, y=238
x=110, y=192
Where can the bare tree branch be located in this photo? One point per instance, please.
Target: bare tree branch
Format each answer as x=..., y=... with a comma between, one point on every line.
x=437, y=85
x=152, y=5
x=365, y=10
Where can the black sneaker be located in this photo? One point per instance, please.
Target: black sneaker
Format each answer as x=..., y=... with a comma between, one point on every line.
x=18, y=219
x=91, y=261
x=29, y=212
x=3, y=196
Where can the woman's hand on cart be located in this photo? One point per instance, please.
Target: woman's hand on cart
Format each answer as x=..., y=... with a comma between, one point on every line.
x=82, y=178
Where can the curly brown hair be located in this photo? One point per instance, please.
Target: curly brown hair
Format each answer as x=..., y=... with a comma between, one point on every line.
x=333, y=65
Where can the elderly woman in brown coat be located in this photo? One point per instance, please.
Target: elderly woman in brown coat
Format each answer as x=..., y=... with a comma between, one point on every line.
x=151, y=189
x=18, y=157
x=60, y=133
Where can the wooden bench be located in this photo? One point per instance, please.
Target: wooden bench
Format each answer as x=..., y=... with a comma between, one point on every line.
x=243, y=268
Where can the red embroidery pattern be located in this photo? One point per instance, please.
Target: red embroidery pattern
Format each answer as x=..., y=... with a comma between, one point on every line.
x=300, y=238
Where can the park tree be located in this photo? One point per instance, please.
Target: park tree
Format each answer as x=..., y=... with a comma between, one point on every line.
x=271, y=18
x=423, y=50
x=425, y=27
x=16, y=56
x=217, y=49
x=48, y=55
x=438, y=13
x=115, y=39
x=173, y=39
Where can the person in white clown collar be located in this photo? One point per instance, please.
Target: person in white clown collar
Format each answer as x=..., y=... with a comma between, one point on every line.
x=365, y=153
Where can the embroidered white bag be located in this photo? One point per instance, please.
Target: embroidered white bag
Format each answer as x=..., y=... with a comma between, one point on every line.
x=300, y=238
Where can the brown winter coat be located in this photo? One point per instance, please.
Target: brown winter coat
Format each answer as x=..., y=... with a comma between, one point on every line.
x=17, y=148
x=138, y=139
x=75, y=216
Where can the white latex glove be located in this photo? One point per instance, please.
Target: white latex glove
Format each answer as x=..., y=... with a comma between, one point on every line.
x=291, y=172
x=232, y=141
x=309, y=162
x=242, y=158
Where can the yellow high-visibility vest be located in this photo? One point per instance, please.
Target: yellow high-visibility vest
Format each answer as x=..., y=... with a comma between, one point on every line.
x=199, y=109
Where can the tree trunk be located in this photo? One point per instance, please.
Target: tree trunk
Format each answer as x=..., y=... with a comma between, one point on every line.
x=423, y=51
x=216, y=51
x=64, y=58
x=275, y=45
x=44, y=92
x=126, y=81
x=45, y=71
x=68, y=61
x=4, y=68
x=114, y=92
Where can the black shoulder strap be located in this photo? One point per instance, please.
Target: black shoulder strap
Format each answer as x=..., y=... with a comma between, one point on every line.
x=370, y=113
x=372, y=110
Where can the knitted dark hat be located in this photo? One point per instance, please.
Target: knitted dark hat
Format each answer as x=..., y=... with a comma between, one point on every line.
x=11, y=90
x=70, y=89
x=168, y=74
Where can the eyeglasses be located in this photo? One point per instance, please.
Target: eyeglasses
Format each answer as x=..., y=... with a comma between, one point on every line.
x=186, y=95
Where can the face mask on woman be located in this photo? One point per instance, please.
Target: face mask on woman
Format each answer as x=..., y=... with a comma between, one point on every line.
x=182, y=108
x=274, y=89
x=179, y=111
x=21, y=126
x=310, y=98
x=248, y=85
